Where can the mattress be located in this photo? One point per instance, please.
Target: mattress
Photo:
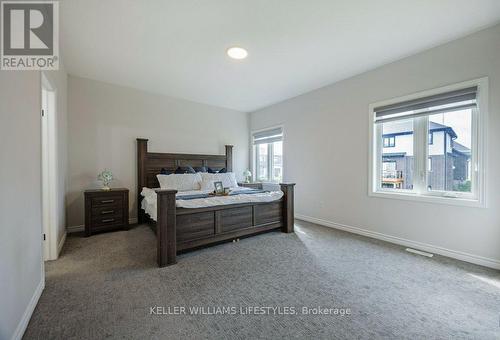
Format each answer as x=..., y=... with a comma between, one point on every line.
x=240, y=196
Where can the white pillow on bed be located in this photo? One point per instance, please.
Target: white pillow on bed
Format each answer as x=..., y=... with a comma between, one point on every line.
x=228, y=180
x=180, y=182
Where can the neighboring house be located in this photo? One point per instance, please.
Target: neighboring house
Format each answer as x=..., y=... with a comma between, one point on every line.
x=448, y=162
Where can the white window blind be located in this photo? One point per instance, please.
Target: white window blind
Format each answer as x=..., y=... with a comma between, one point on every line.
x=268, y=136
x=444, y=102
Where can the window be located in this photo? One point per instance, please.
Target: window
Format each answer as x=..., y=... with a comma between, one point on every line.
x=268, y=155
x=389, y=142
x=440, y=144
x=401, y=176
x=453, y=152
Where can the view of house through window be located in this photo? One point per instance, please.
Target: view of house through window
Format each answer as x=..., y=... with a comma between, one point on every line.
x=425, y=146
x=397, y=156
x=451, y=152
x=277, y=173
x=268, y=155
x=262, y=161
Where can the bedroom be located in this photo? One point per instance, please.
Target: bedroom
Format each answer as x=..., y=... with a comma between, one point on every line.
x=384, y=140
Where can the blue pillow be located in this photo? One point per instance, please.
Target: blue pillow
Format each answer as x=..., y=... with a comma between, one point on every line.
x=212, y=171
x=185, y=170
x=200, y=169
x=164, y=171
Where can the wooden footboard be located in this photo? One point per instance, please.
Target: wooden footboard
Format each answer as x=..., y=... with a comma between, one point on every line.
x=180, y=229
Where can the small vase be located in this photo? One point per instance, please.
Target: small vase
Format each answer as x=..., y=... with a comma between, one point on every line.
x=106, y=187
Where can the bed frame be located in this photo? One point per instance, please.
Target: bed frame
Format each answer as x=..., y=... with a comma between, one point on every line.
x=180, y=229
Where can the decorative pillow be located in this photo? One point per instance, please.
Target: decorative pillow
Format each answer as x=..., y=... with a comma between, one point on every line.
x=164, y=171
x=184, y=170
x=222, y=171
x=200, y=169
x=228, y=180
x=211, y=171
x=180, y=182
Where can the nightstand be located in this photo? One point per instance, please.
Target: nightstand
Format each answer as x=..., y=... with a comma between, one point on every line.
x=253, y=185
x=105, y=210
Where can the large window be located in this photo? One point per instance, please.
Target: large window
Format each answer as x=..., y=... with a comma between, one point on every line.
x=268, y=155
x=430, y=146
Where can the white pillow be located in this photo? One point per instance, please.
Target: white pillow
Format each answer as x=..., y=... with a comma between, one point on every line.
x=180, y=182
x=228, y=180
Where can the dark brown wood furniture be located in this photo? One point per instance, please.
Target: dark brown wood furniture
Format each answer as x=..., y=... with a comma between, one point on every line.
x=179, y=229
x=253, y=185
x=106, y=210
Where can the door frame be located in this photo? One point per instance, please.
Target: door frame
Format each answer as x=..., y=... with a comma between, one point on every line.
x=48, y=103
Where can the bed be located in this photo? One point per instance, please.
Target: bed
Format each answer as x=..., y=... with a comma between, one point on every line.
x=182, y=225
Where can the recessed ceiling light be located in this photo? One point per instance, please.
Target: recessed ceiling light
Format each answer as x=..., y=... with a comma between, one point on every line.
x=237, y=52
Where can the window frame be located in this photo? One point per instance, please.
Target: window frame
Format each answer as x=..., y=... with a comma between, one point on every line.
x=420, y=192
x=270, y=156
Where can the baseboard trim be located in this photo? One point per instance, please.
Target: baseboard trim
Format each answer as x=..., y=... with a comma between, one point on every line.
x=476, y=259
x=75, y=229
x=61, y=243
x=79, y=228
x=23, y=323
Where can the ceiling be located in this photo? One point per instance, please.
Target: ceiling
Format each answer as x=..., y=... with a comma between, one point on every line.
x=177, y=47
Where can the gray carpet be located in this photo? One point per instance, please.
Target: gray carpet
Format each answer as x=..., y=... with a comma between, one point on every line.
x=104, y=286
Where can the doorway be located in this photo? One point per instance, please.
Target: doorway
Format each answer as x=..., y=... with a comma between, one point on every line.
x=49, y=166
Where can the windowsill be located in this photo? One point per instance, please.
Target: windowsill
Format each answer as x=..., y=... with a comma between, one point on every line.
x=464, y=202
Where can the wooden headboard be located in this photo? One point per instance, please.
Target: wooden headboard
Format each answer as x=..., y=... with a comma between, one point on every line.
x=149, y=164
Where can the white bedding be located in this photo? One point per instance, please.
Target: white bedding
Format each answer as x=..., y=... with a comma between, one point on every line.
x=149, y=201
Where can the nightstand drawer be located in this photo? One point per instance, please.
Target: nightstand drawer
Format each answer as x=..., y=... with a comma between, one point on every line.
x=107, y=210
x=108, y=200
x=107, y=221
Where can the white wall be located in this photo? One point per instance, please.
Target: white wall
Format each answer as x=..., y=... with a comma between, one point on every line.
x=59, y=81
x=326, y=149
x=21, y=279
x=105, y=120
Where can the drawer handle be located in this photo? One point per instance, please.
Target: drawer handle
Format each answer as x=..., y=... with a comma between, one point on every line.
x=108, y=220
x=106, y=212
x=107, y=201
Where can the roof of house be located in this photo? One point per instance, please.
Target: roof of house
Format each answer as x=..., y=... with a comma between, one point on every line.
x=406, y=127
x=460, y=148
